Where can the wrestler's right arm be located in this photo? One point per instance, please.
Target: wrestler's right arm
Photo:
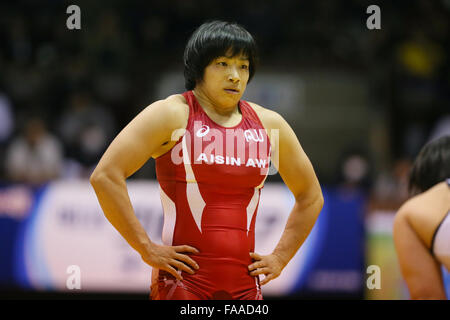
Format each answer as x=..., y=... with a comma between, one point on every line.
x=128, y=152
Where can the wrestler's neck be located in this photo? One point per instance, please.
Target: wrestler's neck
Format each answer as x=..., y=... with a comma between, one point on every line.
x=214, y=107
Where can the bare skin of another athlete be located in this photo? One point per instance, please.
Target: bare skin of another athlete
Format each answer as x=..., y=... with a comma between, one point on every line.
x=414, y=226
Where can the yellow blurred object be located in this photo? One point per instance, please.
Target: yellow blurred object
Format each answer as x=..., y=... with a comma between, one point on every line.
x=420, y=58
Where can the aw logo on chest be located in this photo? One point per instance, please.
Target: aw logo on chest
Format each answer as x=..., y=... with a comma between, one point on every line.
x=229, y=146
x=252, y=134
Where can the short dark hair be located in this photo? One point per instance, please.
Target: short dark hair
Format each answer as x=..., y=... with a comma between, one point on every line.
x=431, y=166
x=211, y=40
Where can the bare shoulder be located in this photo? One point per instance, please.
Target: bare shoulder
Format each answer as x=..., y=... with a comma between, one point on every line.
x=424, y=211
x=409, y=216
x=408, y=208
x=415, y=206
x=435, y=198
x=177, y=99
x=269, y=118
x=439, y=195
x=176, y=106
x=168, y=114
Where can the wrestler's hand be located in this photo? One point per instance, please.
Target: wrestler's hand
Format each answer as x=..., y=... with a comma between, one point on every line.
x=171, y=259
x=270, y=265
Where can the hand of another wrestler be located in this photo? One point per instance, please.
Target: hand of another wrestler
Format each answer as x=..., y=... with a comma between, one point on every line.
x=171, y=259
x=270, y=265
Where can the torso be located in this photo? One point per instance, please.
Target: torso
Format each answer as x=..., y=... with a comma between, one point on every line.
x=210, y=191
x=183, y=114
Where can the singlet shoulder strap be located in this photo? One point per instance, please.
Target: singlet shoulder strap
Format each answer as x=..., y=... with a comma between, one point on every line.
x=247, y=111
x=435, y=233
x=437, y=229
x=190, y=99
x=193, y=108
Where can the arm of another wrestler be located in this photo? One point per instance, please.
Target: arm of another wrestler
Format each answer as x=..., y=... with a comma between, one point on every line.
x=128, y=152
x=298, y=174
x=420, y=270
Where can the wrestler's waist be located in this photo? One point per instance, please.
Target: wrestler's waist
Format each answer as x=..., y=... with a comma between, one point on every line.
x=226, y=218
x=219, y=242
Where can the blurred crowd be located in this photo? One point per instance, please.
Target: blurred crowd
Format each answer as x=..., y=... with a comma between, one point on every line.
x=65, y=94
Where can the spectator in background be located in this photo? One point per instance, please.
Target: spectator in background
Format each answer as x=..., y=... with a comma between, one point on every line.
x=86, y=129
x=6, y=128
x=35, y=157
x=390, y=188
x=354, y=171
x=6, y=118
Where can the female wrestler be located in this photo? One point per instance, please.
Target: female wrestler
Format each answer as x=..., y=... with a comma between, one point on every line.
x=422, y=224
x=210, y=174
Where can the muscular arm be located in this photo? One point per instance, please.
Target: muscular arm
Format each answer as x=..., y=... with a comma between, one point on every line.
x=421, y=272
x=299, y=176
x=134, y=145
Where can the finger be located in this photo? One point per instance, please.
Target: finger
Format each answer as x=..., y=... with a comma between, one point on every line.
x=181, y=266
x=174, y=272
x=255, y=256
x=185, y=248
x=256, y=265
x=260, y=271
x=187, y=259
x=267, y=279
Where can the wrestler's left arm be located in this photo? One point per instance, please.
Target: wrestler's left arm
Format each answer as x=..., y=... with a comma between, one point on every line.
x=298, y=174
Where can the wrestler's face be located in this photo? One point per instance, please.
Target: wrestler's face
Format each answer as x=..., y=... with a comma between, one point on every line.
x=225, y=80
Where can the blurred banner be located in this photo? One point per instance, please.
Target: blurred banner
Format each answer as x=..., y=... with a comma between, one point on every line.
x=48, y=231
x=381, y=252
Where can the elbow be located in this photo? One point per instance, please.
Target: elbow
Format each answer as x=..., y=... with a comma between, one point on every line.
x=95, y=178
x=311, y=200
x=317, y=199
x=320, y=200
x=319, y=203
x=104, y=177
x=99, y=178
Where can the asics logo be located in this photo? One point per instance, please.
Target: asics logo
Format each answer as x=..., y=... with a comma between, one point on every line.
x=203, y=131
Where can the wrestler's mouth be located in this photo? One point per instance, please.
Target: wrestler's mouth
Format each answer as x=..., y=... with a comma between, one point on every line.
x=232, y=91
